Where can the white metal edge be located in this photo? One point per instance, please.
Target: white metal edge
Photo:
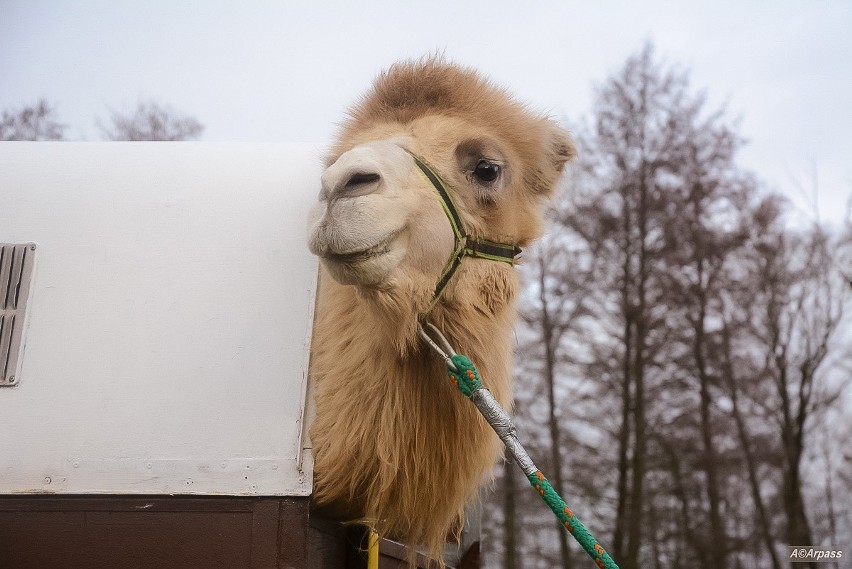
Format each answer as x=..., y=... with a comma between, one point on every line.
x=250, y=476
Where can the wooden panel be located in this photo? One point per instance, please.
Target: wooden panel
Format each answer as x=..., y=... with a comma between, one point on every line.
x=181, y=532
x=393, y=555
x=328, y=544
x=156, y=533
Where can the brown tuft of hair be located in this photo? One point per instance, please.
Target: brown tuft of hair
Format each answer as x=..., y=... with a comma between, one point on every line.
x=431, y=86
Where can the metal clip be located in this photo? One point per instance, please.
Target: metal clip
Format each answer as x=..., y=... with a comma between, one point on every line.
x=444, y=349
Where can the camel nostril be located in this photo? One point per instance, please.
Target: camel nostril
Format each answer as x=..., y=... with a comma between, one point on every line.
x=361, y=178
x=356, y=185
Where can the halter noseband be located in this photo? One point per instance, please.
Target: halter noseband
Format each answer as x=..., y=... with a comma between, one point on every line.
x=464, y=244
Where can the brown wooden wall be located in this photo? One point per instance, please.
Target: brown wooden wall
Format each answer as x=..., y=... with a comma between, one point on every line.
x=163, y=532
x=42, y=532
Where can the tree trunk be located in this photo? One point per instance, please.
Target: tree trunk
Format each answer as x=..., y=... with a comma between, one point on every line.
x=682, y=496
x=553, y=423
x=634, y=534
x=619, y=539
x=509, y=517
x=829, y=495
x=798, y=528
x=792, y=433
x=620, y=533
x=718, y=550
x=745, y=442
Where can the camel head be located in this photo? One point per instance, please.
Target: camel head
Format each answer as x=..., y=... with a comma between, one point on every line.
x=388, y=432
x=380, y=224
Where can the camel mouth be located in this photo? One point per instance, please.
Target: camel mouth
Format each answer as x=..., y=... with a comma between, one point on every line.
x=355, y=257
x=366, y=267
x=370, y=253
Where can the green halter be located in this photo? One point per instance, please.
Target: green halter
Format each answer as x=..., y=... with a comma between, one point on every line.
x=464, y=244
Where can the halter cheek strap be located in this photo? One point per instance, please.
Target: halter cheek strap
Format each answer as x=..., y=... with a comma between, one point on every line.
x=464, y=244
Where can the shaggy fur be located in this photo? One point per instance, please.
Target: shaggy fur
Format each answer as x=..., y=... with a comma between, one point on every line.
x=395, y=445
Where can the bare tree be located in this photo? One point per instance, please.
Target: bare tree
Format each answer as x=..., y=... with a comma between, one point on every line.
x=686, y=345
x=34, y=122
x=638, y=128
x=152, y=121
x=801, y=308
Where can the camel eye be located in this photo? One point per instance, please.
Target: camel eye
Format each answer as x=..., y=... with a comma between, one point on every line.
x=486, y=171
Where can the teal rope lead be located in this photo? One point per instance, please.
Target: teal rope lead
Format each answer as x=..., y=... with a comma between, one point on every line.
x=571, y=522
x=466, y=378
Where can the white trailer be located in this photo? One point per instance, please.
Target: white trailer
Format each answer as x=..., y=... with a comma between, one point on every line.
x=155, y=316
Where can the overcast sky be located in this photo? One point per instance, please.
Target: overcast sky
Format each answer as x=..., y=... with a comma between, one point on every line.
x=285, y=71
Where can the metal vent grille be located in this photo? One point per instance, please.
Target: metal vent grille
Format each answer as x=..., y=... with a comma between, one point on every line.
x=16, y=270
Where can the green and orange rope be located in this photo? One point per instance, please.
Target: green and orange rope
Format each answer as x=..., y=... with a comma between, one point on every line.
x=465, y=377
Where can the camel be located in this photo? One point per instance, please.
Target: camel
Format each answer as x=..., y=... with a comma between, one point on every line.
x=395, y=445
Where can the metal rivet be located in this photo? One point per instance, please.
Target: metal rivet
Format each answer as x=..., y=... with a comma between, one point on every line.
x=188, y=482
x=149, y=465
x=76, y=464
x=32, y=247
x=254, y=486
x=11, y=379
x=47, y=480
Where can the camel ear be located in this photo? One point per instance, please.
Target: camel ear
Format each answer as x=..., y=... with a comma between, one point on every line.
x=562, y=149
